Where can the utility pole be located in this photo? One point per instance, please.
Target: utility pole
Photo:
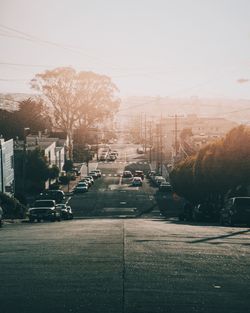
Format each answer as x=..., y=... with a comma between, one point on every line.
x=150, y=141
x=25, y=130
x=145, y=132
x=161, y=157
x=176, y=130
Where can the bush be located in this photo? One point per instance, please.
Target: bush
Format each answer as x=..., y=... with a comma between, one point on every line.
x=64, y=180
x=12, y=208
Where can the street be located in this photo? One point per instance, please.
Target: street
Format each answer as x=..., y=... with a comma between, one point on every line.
x=120, y=255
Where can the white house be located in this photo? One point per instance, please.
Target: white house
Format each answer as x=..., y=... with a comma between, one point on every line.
x=7, y=166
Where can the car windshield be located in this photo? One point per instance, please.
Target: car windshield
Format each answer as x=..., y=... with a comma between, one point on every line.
x=242, y=202
x=44, y=203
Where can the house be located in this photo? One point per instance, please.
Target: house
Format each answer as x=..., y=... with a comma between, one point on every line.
x=7, y=166
x=52, y=148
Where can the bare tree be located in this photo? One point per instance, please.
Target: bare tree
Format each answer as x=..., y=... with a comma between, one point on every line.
x=77, y=99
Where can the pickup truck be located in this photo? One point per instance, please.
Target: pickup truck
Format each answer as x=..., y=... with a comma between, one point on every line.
x=44, y=210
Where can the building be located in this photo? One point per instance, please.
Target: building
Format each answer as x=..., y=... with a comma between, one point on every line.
x=7, y=184
x=54, y=150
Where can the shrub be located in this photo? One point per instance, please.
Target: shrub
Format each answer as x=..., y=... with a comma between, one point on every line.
x=12, y=208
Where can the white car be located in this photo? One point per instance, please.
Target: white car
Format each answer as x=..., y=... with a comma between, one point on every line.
x=98, y=172
x=137, y=181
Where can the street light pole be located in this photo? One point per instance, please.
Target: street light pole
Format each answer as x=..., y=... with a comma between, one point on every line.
x=24, y=156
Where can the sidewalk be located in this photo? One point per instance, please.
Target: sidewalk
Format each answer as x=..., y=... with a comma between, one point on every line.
x=67, y=189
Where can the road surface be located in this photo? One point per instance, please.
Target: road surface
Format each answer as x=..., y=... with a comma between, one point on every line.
x=120, y=255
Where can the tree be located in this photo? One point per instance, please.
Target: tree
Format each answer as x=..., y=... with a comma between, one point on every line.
x=37, y=170
x=77, y=99
x=68, y=165
x=185, y=133
x=217, y=168
x=53, y=172
x=31, y=113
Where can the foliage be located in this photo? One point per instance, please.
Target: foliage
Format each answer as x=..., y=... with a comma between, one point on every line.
x=11, y=206
x=216, y=168
x=186, y=132
x=77, y=98
x=31, y=114
x=64, y=180
x=53, y=172
x=68, y=165
x=37, y=170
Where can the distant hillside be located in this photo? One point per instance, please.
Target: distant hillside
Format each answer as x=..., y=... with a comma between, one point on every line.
x=237, y=110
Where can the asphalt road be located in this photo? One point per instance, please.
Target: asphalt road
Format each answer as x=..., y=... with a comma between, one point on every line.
x=100, y=262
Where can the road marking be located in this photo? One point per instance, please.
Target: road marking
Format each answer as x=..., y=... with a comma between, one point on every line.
x=110, y=175
x=123, y=202
x=103, y=174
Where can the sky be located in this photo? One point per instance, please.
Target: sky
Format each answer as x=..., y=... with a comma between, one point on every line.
x=175, y=48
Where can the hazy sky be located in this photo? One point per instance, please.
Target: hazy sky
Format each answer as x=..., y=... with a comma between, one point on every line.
x=148, y=47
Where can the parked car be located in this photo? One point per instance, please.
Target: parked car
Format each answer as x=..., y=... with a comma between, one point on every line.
x=186, y=213
x=87, y=181
x=1, y=216
x=157, y=180
x=236, y=211
x=139, y=174
x=140, y=150
x=44, y=210
x=93, y=174
x=103, y=157
x=57, y=195
x=81, y=189
x=127, y=174
x=113, y=154
x=77, y=171
x=137, y=181
x=204, y=212
x=81, y=183
x=98, y=172
x=111, y=157
x=65, y=211
x=90, y=178
x=165, y=187
x=150, y=174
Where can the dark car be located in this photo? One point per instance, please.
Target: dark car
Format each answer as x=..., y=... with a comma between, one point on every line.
x=204, y=212
x=165, y=187
x=44, y=210
x=139, y=174
x=236, y=211
x=127, y=174
x=65, y=211
x=57, y=195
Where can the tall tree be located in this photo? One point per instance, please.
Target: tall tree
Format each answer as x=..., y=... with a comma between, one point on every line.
x=31, y=113
x=77, y=98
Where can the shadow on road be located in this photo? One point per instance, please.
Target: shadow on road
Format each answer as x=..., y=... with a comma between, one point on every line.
x=221, y=236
